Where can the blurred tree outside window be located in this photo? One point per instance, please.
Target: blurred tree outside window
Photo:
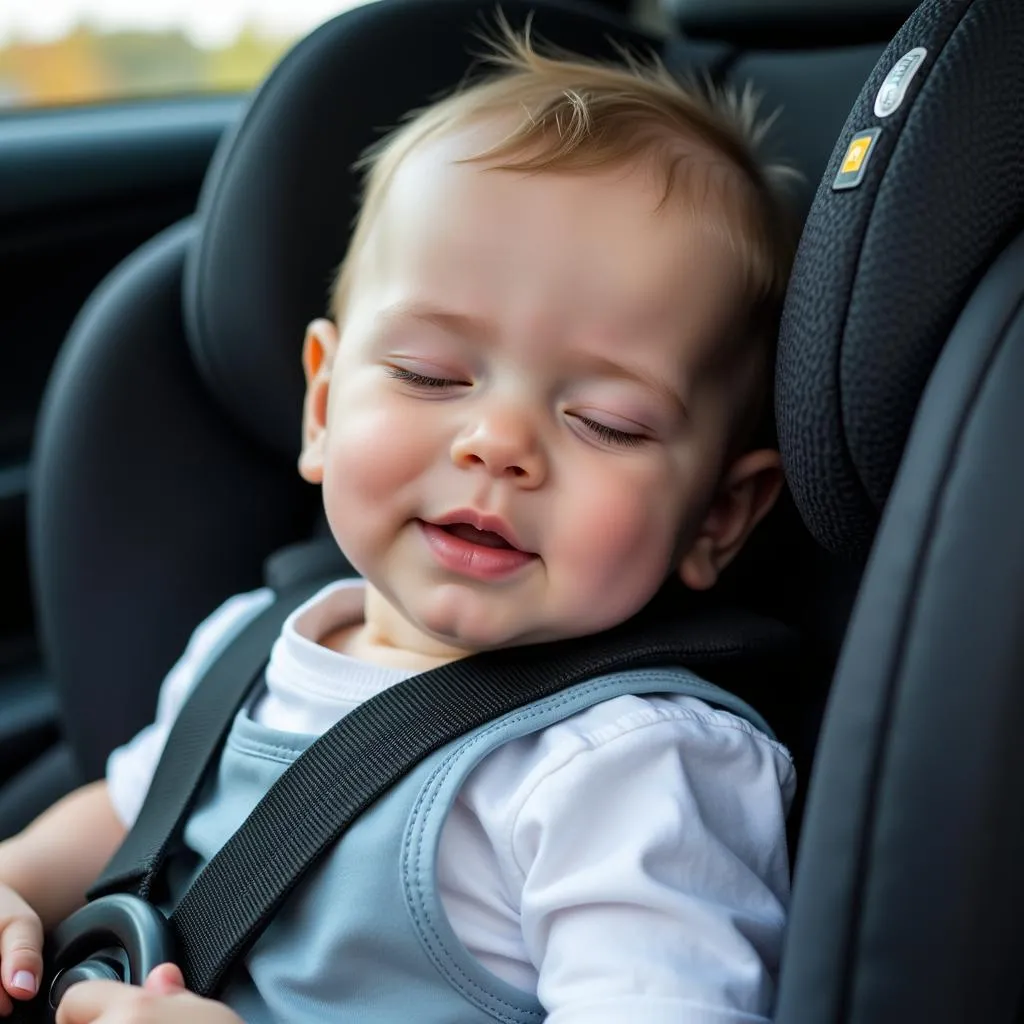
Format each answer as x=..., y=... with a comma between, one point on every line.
x=61, y=52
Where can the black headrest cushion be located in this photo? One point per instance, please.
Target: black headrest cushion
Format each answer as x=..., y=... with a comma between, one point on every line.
x=790, y=23
x=278, y=203
x=884, y=267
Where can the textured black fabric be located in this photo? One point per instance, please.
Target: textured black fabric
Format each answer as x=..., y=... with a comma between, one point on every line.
x=280, y=198
x=883, y=270
x=908, y=894
x=239, y=891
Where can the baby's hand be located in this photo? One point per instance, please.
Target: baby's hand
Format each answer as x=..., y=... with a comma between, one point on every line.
x=162, y=1000
x=21, y=950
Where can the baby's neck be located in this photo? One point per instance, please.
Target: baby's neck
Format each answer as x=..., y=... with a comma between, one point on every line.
x=385, y=638
x=358, y=641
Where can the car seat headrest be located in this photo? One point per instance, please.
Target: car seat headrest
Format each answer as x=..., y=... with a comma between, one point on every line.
x=923, y=190
x=791, y=23
x=278, y=202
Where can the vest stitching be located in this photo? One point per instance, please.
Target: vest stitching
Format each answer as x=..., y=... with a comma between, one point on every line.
x=268, y=751
x=444, y=959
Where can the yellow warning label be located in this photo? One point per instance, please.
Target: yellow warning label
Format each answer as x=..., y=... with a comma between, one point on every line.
x=856, y=155
x=855, y=164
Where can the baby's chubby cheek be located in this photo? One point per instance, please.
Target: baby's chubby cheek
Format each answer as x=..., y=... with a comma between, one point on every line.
x=615, y=555
x=370, y=487
x=373, y=454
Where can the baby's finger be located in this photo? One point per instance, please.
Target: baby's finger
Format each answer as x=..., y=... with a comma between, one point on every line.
x=87, y=1001
x=21, y=956
x=165, y=979
x=6, y=1004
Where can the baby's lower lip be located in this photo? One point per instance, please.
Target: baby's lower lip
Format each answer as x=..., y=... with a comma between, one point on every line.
x=476, y=561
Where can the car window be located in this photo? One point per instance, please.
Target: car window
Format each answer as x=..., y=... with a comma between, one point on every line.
x=59, y=52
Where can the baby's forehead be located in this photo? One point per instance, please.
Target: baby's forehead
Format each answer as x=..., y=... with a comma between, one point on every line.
x=606, y=237
x=690, y=186
x=677, y=178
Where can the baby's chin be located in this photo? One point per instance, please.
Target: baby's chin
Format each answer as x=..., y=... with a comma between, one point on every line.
x=473, y=635
x=470, y=623
x=472, y=627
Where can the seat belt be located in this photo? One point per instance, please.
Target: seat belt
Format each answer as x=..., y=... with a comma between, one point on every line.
x=193, y=743
x=351, y=765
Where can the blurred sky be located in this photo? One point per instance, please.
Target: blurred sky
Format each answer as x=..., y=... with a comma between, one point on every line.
x=207, y=22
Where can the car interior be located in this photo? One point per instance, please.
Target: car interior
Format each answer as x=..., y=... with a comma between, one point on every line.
x=162, y=257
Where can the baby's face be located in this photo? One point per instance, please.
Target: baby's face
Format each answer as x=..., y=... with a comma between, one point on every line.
x=526, y=421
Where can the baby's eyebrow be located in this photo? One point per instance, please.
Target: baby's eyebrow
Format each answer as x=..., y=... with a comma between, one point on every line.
x=465, y=325
x=606, y=367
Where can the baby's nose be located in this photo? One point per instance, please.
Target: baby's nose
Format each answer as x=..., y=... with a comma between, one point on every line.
x=503, y=446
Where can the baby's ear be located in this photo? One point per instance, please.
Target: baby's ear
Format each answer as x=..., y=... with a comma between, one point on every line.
x=745, y=496
x=318, y=352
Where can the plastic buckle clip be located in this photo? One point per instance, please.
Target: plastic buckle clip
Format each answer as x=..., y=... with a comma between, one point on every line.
x=115, y=938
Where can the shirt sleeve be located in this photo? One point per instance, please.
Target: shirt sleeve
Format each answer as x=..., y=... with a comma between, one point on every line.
x=655, y=875
x=130, y=767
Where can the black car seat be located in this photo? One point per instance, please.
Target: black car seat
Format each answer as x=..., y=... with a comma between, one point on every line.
x=164, y=473
x=900, y=370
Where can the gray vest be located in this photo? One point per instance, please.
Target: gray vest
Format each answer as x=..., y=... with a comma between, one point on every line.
x=364, y=937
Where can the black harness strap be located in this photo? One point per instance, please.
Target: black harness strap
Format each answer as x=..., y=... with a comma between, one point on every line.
x=193, y=743
x=318, y=797
x=359, y=759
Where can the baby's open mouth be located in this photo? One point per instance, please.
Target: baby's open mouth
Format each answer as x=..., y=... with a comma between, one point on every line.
x=485, y=538
x=462, y=548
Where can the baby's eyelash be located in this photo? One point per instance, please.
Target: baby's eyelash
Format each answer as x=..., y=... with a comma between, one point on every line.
x=610, y=434
x=607, y=434
x=418, y=379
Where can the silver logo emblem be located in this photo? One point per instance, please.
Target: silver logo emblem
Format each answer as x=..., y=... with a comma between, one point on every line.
x=894, y=88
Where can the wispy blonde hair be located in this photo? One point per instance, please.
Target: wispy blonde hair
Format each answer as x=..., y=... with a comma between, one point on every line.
x=579, y=115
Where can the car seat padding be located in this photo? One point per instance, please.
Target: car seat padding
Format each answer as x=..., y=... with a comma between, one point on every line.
x=907, y=901
x=884, y=268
